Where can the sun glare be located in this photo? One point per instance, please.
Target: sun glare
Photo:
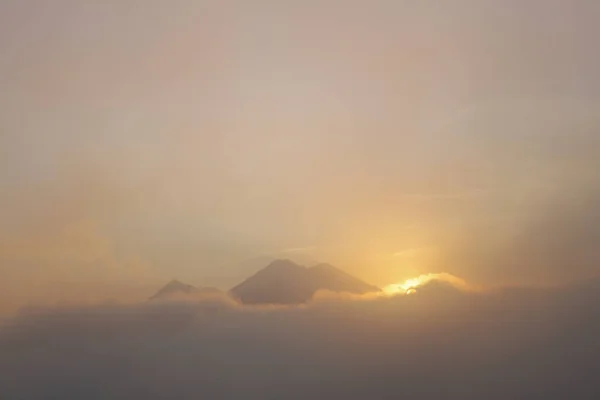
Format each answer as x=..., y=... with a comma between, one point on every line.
x=411, y=285
x=406, y=287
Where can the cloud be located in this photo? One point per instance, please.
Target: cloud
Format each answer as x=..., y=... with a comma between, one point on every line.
x=438, y=343
x=423, y=282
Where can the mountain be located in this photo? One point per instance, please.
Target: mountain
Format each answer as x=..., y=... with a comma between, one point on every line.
x=328, y=277
x=176, y=289
x=281, y=282
x=285, y=282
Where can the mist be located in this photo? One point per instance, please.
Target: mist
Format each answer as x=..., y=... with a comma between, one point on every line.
x=438, y=343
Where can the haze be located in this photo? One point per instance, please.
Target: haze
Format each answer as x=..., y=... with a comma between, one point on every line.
x=373, y=142
x=142, y=141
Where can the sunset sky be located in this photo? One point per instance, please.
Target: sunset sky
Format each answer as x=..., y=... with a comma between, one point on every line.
x=142, y=141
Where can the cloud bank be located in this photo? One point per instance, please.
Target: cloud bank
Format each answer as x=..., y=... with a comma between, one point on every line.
x=440, y=343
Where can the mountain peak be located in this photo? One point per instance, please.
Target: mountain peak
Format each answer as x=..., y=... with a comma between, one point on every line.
x=177, y=288
x=285, y=282
x=283, y=264
x=176, y=283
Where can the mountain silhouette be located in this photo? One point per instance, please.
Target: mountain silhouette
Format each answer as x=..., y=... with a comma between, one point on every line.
x=328, y=277
x=175, y=289
x=285, y=282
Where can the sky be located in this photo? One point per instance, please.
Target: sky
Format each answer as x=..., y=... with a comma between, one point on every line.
x=142, y=141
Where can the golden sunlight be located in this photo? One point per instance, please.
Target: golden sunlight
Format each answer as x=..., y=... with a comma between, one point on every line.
x=410, y=286
x=406, y=287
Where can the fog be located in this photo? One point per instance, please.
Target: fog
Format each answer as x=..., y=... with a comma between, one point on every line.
x=440, y=343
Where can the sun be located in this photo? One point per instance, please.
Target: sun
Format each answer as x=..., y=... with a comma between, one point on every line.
x=407, y=287
x=410, y=286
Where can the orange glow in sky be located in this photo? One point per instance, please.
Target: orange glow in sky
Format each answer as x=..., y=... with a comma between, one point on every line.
x=410, y=286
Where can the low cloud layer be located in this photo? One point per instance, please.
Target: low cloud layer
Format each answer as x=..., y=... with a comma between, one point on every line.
x=439, y=343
